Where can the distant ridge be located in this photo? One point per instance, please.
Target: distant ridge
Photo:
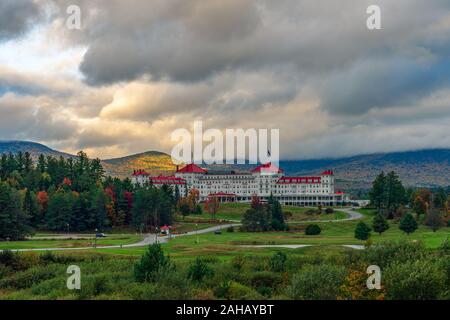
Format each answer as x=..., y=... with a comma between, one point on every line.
x=426, y=168
x=34, y=148
x=154, y=162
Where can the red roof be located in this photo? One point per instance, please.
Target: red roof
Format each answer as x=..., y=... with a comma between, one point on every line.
x=167, y=180
x=288, y=180
x=339, y=192
x=327, y=173
x=165, y=228
x=191, y=168
x=267, y=168
x=140, y=173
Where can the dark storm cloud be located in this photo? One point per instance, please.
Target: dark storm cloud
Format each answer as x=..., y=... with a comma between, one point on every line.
x=29, y=118
x=17, y=17
x=321, y=44
x=381, y=84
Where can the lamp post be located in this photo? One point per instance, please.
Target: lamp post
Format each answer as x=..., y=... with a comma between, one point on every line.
x=196, y=233
x=156, y=234
x=68, y=228
x=95, y=240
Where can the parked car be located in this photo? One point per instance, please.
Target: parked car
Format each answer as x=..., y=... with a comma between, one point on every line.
x=100, y=235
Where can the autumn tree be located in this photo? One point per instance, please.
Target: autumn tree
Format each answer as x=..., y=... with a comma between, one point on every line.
x=212, y=206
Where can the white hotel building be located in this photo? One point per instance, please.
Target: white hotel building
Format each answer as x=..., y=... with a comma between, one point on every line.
x=262, y=181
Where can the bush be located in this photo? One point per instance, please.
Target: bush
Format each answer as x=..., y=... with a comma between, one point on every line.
x=265, y=279
x=26, y=279
x=312, y=230
x=408, y=224
x=311, y=212
x=329, y=210
x=277, y=262
x=320, y=282
x=199, y=270
x=362, y=231
x=152, y=262
x=8, y=258
x=230, y=229
x=415, y=280
x=238, y=291
x=387, y=252
x=238, y=262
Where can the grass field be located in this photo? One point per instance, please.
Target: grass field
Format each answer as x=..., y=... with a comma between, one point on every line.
x=228, y=244
x=114, y=239
x=235, y=211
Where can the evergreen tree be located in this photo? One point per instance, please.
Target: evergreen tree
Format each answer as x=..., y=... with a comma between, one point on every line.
x=256, y=220
x=31, y=208
x=380, y=224
x=395, y=193
x=14, y=223
x=276, y=214
x=59, y=211
x=408, y=224
x=434, y=220
x=362, y=231
x=377, y=194
x=152, y=264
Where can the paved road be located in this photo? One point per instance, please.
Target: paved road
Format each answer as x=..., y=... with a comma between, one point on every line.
x=151, y=238
x=147, y=240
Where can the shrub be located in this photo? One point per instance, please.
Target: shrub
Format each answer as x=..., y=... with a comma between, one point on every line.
x=383, y=254
x=277, y=262
x=312, y=230
x=408, y=224
x=27, y=278
x=170, y=286
x=320, y=282
x=238, y=262
x=8, y=258
x=199, y=270
x=48, y=257
x=265, y=279
x=152, y=262
x=311, y=212
x=329, y=210
x=415, y=280
x=380, y=224
x=230, y=229
x=362, y=231
x=238, y=291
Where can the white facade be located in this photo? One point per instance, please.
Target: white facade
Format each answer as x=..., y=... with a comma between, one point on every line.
x=262, y=181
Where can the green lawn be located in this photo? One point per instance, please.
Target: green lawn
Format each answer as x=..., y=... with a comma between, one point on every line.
x=229, y=244
x=114, y=239
x=235, y=211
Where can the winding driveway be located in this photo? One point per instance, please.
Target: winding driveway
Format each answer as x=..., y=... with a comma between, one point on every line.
x=152, y=238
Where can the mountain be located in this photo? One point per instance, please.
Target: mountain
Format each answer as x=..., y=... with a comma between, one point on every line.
x=153, y=162
x=426, y=168
x=35, y=149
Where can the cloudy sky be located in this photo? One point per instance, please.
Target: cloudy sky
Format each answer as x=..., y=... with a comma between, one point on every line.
x=137, y=70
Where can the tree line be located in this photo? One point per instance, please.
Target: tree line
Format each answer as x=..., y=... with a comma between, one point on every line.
x=73, y=194
x=409, y=206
